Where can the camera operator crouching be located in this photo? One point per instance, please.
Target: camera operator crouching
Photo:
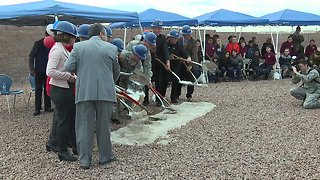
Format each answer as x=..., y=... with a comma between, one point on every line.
x=309, y=91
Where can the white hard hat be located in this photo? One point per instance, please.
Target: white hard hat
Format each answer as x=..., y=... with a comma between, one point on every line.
x=138, y=37
x=48, y=29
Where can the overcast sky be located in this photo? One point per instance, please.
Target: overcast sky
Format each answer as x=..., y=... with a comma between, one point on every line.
x=192, y=8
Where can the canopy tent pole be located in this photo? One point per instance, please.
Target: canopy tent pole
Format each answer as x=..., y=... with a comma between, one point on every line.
x=277, y=42
x=240, y=33
x=271, y=35
x=125, y=36
x=56, y=18
x=141, y=27
x=201, y=45
x=204, y=44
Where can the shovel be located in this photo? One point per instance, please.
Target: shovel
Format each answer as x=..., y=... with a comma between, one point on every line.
x=139, y=77
x=133, y=100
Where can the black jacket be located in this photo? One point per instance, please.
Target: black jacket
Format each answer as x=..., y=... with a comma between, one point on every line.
x=38, y=57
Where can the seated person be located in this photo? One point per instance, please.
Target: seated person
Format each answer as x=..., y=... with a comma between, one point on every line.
x=270, y=60
x=254, y=65
x=311, y=48
x=250, y=50
x=235, y=63
x=285, y=62
x=314, y=60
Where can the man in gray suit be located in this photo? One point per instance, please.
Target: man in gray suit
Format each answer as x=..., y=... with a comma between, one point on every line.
x=95, y=62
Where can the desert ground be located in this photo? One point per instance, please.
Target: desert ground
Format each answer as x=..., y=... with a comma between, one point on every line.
x=256, y=131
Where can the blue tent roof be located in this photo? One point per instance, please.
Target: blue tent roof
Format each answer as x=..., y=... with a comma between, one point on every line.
x=224, y=17
x=292, y=18
x=148, y=16
x=43, y=12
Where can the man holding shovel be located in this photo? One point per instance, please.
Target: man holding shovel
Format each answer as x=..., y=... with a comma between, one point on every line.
x=149, y=41
x=190, y=47
x=177, y=66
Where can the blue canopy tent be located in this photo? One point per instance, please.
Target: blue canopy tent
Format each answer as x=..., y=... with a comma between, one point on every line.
x=289, y=17
x=148, y=16
x=224, y=17
x=47, y=11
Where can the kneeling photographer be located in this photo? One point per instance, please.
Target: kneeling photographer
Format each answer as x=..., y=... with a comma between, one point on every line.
x=309, y=91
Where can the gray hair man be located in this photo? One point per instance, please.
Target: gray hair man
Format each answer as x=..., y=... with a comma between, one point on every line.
x=95, y=62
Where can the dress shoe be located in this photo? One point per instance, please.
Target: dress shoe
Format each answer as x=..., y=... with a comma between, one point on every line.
x=48, y=109
x=50, y=148
x=36, y=113
x=174, y=101
x=112, y=159
x=115, y=121
x=189, y=99
x=74, y=151
x=84, y=167
x=66, y=156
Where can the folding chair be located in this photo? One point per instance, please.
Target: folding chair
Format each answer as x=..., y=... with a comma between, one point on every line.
x=245, y=68
x=33, y=86
x=6, y=81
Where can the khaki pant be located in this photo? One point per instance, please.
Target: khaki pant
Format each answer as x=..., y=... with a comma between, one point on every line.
x=310, y=100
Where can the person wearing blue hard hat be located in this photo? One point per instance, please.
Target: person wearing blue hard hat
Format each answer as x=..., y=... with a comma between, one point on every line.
x=177, y=66
x=190, y=46
x=119, y=43
x=150, y=42
x=83, y=32
x=131, y=60
x=62, y=93
x=109, y=33
x=160, y=73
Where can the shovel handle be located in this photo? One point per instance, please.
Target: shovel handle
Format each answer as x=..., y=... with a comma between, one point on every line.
x=169, y=69
x=182, y=59
x=133, y=100
x=156, y=92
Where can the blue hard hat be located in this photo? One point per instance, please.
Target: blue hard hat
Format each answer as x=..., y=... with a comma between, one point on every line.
x=108, y=31
x=186, y=30
x=65, y=27
x=83, y=30
x=119, y=43
x=156, y=23
x=174, y=33
x=140, y=50
x=151, y=38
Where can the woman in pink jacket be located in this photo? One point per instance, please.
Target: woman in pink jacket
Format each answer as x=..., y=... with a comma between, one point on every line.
x=61, y=92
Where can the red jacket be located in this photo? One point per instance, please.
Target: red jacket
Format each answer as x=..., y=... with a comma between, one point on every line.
x=270, y=58
x=233, y=46
x=288, y=45
x=310, y=50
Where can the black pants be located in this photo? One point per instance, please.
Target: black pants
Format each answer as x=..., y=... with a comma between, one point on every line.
x=41, y=79
x=176, y=67
x=161, y=81
x=146, y=92
x=196, y=72
x=63, y=125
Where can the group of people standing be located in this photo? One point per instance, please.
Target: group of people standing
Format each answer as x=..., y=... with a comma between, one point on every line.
x=81, y=86
x=81, y=71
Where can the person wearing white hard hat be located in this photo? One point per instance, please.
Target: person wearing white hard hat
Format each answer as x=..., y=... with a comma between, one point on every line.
x=38, y=59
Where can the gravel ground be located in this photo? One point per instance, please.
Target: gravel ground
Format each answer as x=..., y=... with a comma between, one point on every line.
x=257, y=131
